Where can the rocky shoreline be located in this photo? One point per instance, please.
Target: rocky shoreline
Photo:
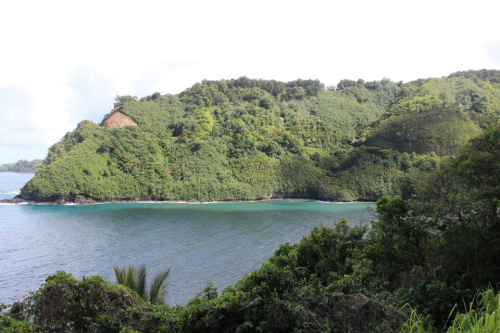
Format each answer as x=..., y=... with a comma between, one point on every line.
x=83, y=200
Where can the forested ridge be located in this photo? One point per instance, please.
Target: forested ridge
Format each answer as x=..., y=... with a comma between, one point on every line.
x=21, y=166
x=245, y=139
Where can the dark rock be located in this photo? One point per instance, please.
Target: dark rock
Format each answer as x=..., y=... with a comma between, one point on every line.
x=15, y=200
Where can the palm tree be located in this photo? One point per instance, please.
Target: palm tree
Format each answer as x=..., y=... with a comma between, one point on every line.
x=135, y=279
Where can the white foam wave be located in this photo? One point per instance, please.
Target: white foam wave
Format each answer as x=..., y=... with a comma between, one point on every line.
x=184, y=202
x=345, y=202
x=152, y=202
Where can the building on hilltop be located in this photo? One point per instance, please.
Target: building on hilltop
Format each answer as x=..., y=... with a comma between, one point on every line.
x=117, y=119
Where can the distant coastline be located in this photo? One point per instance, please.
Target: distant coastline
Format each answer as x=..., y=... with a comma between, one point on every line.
x=21, y=166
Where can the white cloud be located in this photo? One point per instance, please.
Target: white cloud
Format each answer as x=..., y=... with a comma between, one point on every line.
x=494, y=53
x=70, y=59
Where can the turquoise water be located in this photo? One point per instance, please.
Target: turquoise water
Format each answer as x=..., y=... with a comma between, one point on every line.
x=218, y=242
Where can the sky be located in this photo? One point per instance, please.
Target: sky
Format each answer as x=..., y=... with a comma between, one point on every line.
x=62, y=62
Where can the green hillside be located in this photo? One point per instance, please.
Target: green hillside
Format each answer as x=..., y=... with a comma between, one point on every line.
x=248, y=139
x=439, y=115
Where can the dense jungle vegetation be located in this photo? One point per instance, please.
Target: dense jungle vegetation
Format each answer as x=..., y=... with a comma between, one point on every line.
x=434, y=253
x=21, y=166
x=250, y=139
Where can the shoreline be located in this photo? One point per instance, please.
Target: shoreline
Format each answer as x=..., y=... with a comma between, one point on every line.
x=84, y=201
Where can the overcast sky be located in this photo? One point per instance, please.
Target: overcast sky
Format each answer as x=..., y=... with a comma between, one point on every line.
x=62, y=62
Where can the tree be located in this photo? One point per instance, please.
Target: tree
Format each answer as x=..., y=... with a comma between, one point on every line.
x=439, y=248
x=135, y=279
x=120, y=100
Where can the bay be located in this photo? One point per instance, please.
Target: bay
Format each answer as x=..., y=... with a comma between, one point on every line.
x=216, y=242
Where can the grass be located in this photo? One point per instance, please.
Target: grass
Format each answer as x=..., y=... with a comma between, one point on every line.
x=483, y=317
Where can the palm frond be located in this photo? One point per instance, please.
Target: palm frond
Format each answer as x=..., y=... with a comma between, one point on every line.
x=121, y=276
x=131, y=280
x=136, y=279
x=141, y=276
x=158, y=289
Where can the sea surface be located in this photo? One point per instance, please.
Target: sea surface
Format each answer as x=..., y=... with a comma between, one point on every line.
x=216, y=242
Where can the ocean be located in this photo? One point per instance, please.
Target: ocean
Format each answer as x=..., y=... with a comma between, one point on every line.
x=215, y=242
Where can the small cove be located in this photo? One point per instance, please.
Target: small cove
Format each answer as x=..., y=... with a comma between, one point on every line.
x=216, y=242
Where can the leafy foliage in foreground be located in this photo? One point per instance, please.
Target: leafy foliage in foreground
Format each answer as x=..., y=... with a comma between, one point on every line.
x=64, y=304
x=483, y=316
x=440, y=249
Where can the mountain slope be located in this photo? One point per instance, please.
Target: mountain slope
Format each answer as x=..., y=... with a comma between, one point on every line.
x=439, y=115
x=249, y=139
